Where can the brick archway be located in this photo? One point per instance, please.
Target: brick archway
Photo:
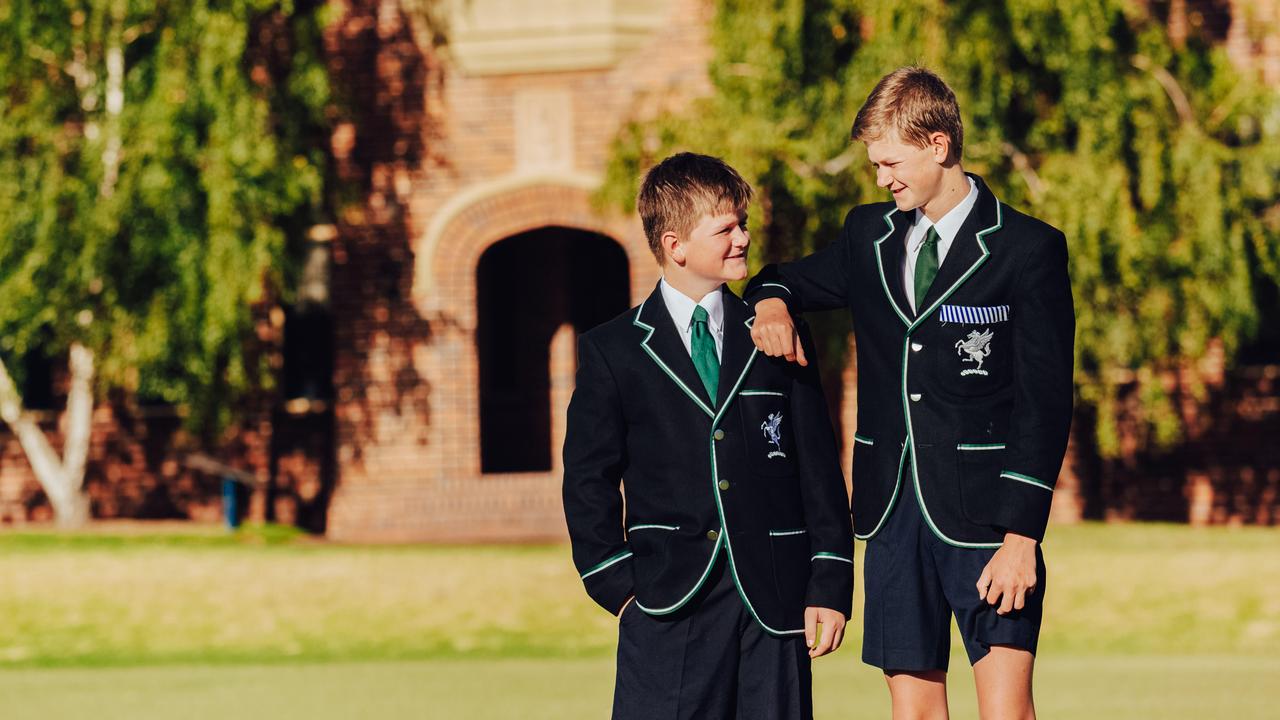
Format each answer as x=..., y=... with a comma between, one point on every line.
x=445, y=284
x=446, y=294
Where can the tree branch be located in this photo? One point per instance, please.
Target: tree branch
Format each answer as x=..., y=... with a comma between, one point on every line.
x=1022, y=164
x=115, y=101
x=44, y=460
x=1171, y=88
x=834, y=166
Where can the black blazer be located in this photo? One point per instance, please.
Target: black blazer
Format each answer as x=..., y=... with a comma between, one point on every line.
x=973, y=394
x=753, y=477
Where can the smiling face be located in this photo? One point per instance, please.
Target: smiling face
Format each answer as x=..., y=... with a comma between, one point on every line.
x=912, y=173
x=715, y=250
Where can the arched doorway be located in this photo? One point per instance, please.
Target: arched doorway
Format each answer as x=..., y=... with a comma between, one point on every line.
x=528, y=286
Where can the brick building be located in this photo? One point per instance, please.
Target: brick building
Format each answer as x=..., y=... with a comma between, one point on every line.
x=455, y=289
x=450, y=397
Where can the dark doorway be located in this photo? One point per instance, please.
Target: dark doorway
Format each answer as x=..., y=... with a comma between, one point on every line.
x=527, y=286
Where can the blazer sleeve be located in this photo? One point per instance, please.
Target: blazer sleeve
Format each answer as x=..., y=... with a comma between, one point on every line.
x=822, y=490
x=594, y=458
x=819, y=281
x=1043, y=355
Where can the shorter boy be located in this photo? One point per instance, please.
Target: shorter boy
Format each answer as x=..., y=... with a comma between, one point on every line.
x=735, y=542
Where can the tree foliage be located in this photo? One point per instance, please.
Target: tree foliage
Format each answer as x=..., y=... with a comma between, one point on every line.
x=158, y=160
x=1159, y=160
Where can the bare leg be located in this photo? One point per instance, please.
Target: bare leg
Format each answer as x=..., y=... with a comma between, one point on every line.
x=918, y=695
x=1003, y=678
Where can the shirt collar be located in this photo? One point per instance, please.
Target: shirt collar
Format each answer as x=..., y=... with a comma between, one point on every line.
x=948, y=225
x=681, y=306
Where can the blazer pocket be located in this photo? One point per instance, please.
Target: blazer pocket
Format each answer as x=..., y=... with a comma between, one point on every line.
x=978, y=466
x=766, y=420
x=973, y=360
x=648, y=539
x=790, y=549
x=868, y=485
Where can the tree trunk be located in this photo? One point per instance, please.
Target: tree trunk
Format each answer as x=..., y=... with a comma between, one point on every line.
x=114, y=97
x=61, y=477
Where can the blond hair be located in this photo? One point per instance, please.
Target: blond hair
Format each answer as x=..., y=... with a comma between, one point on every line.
x=915, y=103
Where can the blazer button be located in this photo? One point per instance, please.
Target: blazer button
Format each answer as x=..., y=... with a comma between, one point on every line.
x=915, y=397
x=718, y=434
x=713, y=535
x=916, y=347
x=724, y=484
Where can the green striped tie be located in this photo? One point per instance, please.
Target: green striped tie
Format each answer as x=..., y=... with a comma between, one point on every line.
x=926, y=266
x=703, y=350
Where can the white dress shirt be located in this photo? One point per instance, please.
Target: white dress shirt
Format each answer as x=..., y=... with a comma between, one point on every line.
x=948, y=226
x=681, y=307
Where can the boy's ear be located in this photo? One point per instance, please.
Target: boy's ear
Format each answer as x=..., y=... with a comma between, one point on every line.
x=672, y=248
x=940, y=146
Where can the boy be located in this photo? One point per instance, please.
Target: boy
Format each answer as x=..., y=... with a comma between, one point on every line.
x=964, y=325
x=735, y=541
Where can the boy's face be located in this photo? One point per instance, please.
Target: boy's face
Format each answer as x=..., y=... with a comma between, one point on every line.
x=911, y=172
x=716, y=248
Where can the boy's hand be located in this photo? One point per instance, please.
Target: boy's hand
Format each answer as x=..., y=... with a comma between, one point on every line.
x=1010, y=575
x=832, y=630
x=774, y=333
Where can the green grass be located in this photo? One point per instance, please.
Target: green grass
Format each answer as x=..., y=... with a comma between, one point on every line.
x=1073, y=687
x=1141, y=621
x=272, y=596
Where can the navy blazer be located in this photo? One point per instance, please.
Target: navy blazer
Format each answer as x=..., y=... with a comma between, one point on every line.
x=751, y=478
x=974, y=393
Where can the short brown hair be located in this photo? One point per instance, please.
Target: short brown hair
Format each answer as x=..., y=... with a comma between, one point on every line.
x=914, y=102
x=678, y=191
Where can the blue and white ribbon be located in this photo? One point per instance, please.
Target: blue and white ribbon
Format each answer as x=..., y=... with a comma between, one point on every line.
x=974, y=315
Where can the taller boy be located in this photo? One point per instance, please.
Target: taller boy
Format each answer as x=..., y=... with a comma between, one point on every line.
x=735, y=540
x=964, y=325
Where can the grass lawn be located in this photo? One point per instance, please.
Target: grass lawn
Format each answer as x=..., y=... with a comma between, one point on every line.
x=1142, y=621
x=1084, y=687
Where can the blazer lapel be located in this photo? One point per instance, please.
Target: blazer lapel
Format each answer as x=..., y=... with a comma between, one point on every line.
x=890, y=249
x=738, y=351
x=968, y=252
x=661, y=342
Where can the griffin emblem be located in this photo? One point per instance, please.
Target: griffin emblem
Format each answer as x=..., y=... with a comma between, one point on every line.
x=773, y=434
x=977, y=346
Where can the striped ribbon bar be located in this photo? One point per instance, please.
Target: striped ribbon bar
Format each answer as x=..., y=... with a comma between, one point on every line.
x=974, y=315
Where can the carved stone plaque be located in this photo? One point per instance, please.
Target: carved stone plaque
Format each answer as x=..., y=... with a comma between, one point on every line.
x=496, y=37
x=544, y=130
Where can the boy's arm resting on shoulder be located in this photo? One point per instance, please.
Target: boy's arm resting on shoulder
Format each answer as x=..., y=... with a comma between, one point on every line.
x=1043, y=351
x=822, y=490
x=817, y=282
x=594, y=458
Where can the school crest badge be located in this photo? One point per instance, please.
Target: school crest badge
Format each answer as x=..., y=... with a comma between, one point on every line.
x=773, y=433
x=978, y=347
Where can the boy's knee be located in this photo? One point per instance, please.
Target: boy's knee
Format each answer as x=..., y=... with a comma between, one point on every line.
x=918, y=695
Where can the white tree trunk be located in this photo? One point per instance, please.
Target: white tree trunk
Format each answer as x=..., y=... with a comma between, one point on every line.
x=61, y=477
x=114, y=101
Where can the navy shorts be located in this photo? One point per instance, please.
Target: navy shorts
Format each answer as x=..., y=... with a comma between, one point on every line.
x=915, y=582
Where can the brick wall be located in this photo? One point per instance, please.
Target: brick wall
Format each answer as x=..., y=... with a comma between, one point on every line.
x=407, y=477
x=439, y=166
x=1226, y=471
x=408, y=451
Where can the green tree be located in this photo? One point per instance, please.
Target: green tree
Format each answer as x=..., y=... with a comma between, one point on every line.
x=1159, y=160
x=157, y=161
